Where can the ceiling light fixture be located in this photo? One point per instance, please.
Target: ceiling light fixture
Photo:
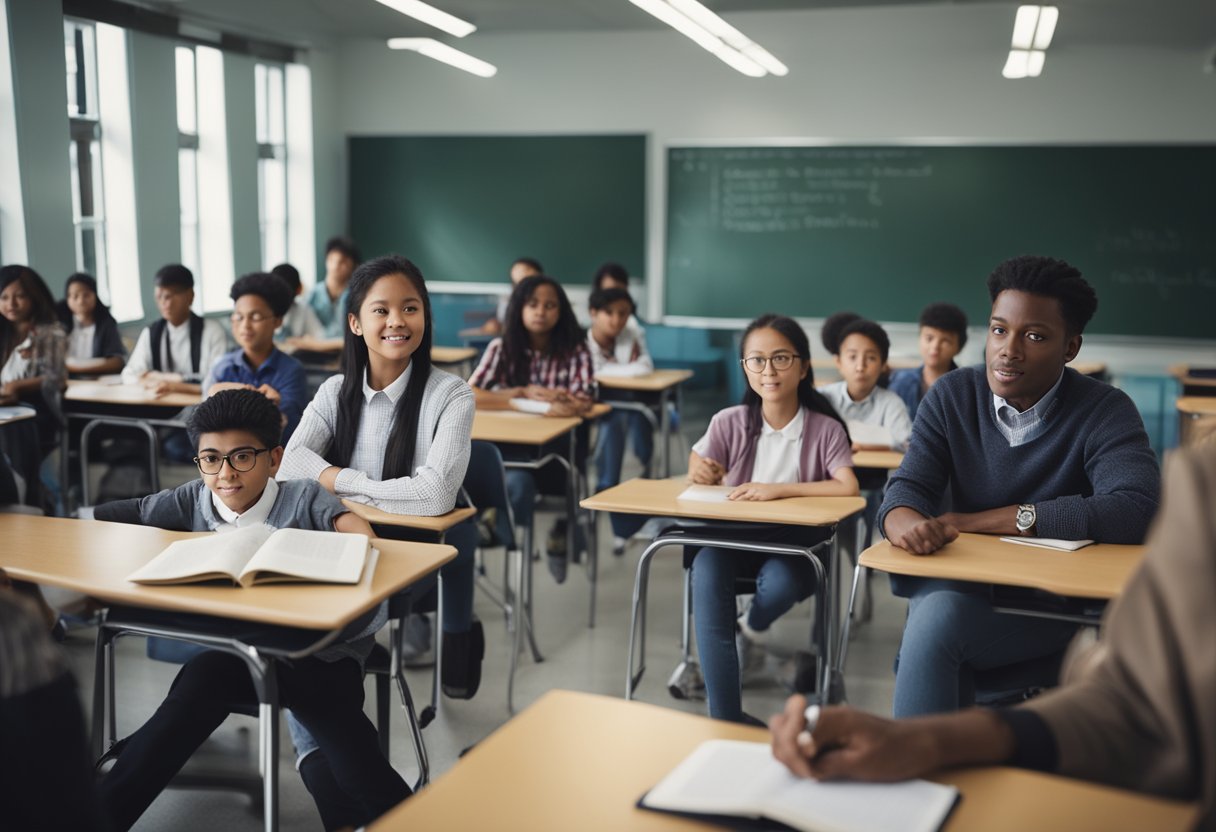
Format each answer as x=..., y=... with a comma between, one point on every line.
x=447, y=54
x=1033, y=29
x=431, y=16
x=715, y=35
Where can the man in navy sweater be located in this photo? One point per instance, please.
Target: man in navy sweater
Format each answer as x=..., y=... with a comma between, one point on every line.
x=1024, y=446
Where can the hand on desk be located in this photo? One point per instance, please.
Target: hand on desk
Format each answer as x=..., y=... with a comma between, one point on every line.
x=915, y=533
x=755, y=491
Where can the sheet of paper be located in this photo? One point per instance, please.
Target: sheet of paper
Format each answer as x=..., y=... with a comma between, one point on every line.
x=623, y=371
x=1049, y=543
x=705, y=493
x=864, y=434
x=530, y=406
x=9, y=414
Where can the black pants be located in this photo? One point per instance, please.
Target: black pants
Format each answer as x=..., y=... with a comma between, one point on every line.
x=327, y=697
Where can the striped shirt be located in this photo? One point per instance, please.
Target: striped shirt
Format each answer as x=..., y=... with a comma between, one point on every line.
x=441, y=451
x=573, y=374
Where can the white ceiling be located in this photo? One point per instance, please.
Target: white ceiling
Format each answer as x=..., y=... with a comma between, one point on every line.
x=1183, y=24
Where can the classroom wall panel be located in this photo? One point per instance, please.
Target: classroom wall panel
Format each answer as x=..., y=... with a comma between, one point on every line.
x=241, y=110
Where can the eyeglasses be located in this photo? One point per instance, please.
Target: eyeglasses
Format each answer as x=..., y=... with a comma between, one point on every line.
x=780, y=361
x=240, y=460
x=254, y=317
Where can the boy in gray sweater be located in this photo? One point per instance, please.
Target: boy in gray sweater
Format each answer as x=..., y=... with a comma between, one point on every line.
x=1024, y=446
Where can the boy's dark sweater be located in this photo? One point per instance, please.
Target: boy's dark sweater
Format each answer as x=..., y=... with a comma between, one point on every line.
x=1090, y=474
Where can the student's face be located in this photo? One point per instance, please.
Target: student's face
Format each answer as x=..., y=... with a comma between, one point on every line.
x=937, y=347
x=339, y=266
x=521, y=270
x=860, y=364
x=174, y=303
x=771, y=384
x=610, y=321
x=391, y=320
x=254, y=323
x=1027, y=348
x=542, y=310
x=15, y=303
x=81, y=301
x=238, y=490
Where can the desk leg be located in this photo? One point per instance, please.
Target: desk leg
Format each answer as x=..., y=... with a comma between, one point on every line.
x=637, y=617
x=436, y=682
x=268, y=720
x=103, y=667
x=65, y=466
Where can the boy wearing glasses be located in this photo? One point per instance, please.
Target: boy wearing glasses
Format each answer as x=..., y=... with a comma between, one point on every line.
x=259, y=303
x=237, y=436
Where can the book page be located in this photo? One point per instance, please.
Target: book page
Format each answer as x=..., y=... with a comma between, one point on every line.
x=206, y=558
x=530, y=406
x=705, y=493
x=1050, y=543
x=865, y=434
x=329, y=557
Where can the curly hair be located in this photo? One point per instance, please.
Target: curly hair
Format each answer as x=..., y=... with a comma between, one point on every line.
x=1048, y=277
x=269, y=287
x=246, y=410
x=948, y=318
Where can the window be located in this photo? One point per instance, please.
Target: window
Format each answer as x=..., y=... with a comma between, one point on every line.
x=187, y=156
x=84, y=151
x=272, y=162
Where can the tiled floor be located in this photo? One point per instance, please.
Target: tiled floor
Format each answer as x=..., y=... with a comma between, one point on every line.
x=576, y=657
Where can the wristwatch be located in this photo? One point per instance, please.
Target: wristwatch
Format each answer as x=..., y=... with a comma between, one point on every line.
x=1026, y=518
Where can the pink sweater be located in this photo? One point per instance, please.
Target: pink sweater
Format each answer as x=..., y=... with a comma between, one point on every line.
x=825, y=446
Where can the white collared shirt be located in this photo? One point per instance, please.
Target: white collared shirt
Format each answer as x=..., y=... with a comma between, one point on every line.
x=778, y=451
x=1020, y=428
x=254, y=515
x=80, y=341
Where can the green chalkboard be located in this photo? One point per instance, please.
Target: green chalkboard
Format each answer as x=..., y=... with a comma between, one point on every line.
x=463, y=208
x=885, y=230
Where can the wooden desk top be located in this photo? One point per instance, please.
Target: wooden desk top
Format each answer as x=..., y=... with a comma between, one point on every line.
x=657, y=498
x=96, y=392
x=95, y=557
x=438, y=525
x=580, y=761
x=518, y=428
x=655, y=382
x=878, y=459
x=1196, y=405
x=1098, y=571
x=16, y=413
x=452, y=355
x=1183, y=373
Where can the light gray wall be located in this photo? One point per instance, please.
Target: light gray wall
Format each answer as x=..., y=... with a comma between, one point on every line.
x=240, y=107
x=41, y=106
x=329, y=148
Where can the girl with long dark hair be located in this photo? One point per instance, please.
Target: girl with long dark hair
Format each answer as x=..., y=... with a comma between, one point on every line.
x=32, y=348
x=94, y=342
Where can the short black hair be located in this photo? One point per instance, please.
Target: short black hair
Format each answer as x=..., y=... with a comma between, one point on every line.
x=269, y=287
x=346, y=246
x=613, y=270
x=175, y=276
x=246, y=410
x=871, y=330
x=1050, y=278
x=290, y=275
x=948, y=318
x=603, y=298
x=830, y=335
x=530, y=262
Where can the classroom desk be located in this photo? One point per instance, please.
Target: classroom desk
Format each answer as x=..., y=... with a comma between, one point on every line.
x=580, y=761
x=122, y=405
x=1193, y=385
x=645, y=394
x=660, y=498
x=95, y=557
x=881, y=460
x=1193, y=413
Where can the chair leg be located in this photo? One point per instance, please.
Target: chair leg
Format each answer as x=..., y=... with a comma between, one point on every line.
x=396, y=637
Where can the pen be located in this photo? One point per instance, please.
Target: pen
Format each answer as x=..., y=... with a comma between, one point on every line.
x=811, y=715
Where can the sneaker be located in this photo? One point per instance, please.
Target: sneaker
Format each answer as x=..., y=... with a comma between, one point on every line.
x=558, y=567
x=618, y=546
x=418, y=646
x=750, y=645
x=686, y=682
x=800, y=672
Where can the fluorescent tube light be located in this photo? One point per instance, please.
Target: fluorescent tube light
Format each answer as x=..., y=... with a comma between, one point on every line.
x=682, y=24
x=1017, y=65
x=1034, y=63
x=714, y=24
x=765, y=58
x=1024, y=26
x=1048, y=15
x=431, y=16
x=737, y=60
x=448, y=55
x=728, y=53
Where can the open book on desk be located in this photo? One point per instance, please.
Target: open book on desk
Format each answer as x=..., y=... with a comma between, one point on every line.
x=728, y=782
x=259, y=555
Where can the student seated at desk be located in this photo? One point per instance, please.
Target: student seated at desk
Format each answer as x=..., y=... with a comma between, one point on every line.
x=259, y=303
x=174, y=354
x=393, y=432
x=615, y=276
x=237, y=436
x=1137, y=710
x=1025, y=446
x=542, y=356
x=94, y=342
x=618, y=351
x=328, y=297
x=861, y=350
x=300, y=321
x=521, y=268
x=785, y=440
x=943, y=334
x=32, y=349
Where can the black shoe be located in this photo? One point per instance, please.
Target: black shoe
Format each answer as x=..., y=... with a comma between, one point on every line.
x=462, y=655
x=748, y=719
x=558, y=567
x=555, y=547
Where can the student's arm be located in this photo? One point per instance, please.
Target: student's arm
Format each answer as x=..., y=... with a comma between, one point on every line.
x=292, y=391
x=353, y=523
x=703, y=470
x=843, y=483
x=171, y=509
x=436, y=480
x=907, y=514
x=303, y=459
x=141, y=359
x=486, y=393
x=112, y=364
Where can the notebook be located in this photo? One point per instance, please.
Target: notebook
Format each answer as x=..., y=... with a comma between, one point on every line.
x=1050, y=543
x=705, y=493
x=728, y=782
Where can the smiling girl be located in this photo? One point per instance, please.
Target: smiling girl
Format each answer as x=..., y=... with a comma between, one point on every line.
x=785, y=440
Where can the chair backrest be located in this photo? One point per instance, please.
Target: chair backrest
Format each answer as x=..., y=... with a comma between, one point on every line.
x=485, y=482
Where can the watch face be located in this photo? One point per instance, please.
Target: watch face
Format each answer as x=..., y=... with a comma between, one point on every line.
x=1025, y=518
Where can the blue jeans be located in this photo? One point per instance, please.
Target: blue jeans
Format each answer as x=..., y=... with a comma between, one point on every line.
x=781, y=582
x=952, y=632
x=610, y=453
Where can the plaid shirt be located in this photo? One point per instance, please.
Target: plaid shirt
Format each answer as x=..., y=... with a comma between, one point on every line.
x=574, y=374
